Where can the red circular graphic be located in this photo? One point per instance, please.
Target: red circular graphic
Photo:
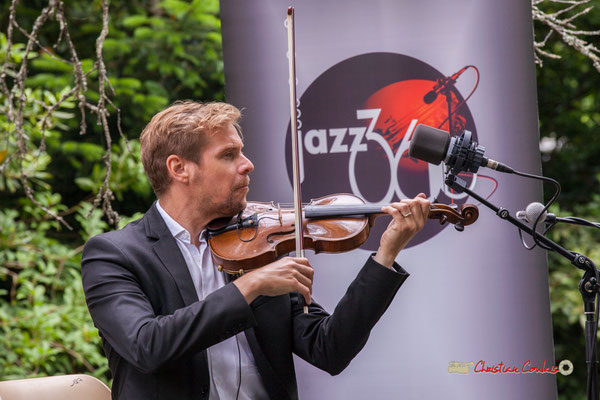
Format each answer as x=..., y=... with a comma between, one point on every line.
x=355, y=122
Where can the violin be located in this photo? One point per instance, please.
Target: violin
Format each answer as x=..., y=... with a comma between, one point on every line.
x=264, y=232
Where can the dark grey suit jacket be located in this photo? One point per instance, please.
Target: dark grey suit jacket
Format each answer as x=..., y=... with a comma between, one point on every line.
x=155, y=331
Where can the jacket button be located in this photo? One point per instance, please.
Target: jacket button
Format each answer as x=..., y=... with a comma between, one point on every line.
x=203, y=390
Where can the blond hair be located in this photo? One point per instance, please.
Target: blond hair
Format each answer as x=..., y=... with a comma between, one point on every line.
x=181, y=129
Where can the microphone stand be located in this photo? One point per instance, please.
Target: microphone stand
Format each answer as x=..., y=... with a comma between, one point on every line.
x=588, y=286
x=448, y=93
x=446, y=90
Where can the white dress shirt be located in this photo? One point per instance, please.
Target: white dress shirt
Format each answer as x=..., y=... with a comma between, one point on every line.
x=227, y=358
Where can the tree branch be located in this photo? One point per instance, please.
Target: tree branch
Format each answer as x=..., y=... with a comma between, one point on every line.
x=565, y=28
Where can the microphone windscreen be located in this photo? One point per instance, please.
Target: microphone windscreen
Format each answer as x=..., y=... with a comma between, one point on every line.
x=429, y=144
x=430, y=97
x=533, y=210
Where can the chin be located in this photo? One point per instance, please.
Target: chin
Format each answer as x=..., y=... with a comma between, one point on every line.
x=234, y=208
x=241, y=206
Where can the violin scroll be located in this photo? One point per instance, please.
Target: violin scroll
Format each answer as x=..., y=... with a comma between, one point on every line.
x=466, y=215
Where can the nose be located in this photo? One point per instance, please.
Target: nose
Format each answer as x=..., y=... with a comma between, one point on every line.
x=246, y=166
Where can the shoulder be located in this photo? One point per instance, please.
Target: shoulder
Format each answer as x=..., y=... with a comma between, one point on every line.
x=131, y=233
x=123, y=245
x=123, y=252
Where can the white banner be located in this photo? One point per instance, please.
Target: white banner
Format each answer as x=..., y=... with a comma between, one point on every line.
x=473, y=319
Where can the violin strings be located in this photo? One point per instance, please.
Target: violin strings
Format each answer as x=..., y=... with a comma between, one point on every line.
x=274, y=219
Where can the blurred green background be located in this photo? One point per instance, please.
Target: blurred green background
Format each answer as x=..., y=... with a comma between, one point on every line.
x=155, y=53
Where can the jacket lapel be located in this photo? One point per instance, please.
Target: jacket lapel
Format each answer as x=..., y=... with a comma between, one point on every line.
x=273, y=384
x=168, y=252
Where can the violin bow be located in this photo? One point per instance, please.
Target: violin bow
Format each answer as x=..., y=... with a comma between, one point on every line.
x=295, y=141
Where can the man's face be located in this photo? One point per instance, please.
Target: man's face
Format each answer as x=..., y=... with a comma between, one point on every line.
x=220, y=181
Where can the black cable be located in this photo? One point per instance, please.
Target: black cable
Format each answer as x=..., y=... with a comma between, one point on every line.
x=580, y=221
x=239, y=368
x=592, y=363
x=548, y=228
x=237, y=231
x=537, y=220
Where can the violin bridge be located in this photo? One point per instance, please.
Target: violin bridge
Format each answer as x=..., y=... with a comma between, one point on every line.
x=279, y=214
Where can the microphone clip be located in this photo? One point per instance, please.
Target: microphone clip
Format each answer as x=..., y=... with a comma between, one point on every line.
x=465, y=154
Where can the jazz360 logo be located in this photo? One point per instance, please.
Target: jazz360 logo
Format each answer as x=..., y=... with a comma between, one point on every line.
x=355, y=123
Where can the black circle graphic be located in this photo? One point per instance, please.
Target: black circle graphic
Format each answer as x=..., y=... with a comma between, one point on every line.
x=334, y=150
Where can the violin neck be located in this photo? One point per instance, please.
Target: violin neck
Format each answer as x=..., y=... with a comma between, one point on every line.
x=342, y=210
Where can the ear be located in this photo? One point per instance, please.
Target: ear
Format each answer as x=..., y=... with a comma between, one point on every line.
x=177, y=168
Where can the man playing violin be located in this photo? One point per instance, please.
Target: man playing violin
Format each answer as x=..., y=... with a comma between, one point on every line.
x=173, y=326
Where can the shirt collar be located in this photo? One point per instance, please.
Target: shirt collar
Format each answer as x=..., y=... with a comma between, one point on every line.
x=178, y=231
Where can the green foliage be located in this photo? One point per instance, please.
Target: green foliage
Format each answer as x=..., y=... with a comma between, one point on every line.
x=565, y=300
x=154, y=54
x=569, y=104
x=45, y=328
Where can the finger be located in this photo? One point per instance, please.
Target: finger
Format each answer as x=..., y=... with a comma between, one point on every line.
x=403, y=216
x=425, y=206
x=422, y=202
x=420, y=206
x=396, y=210
x=303, y=279
x=401, y=206
x=405, y=219
x=417, y=211
x=405, y=209
x=304, y=292
x=391, y=210
x=301, y=260
x=305, y=270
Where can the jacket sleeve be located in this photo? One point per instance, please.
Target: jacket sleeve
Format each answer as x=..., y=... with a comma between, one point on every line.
x=330, y=342
x=124, y=315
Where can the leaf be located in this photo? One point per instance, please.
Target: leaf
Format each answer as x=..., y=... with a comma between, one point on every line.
x=134, y=21
x=143, y=33
x=206, y=6
x=91, y=151
x=157, y=22
x=129, y=83
x=47, y=63
x=176, y=7
x=85, y=183
x=63, y=115
x=112, y=48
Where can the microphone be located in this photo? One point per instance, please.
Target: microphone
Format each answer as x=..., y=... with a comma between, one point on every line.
x=441, y=84
x=459, y=153
x=533, y=211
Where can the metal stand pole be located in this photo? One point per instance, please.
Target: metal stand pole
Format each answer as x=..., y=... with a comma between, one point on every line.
x=588, y=286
